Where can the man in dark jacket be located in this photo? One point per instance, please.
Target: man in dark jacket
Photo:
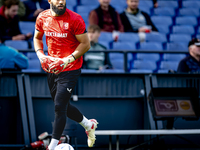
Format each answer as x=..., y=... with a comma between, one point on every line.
x=9, y=22
x=191, y=63
x=106, y=17
x=135, y=20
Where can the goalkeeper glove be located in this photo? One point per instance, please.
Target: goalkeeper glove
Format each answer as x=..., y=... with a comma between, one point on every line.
x=45, y=61
x=60, y=64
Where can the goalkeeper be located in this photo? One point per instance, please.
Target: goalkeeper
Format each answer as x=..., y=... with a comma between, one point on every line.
x=67, y=41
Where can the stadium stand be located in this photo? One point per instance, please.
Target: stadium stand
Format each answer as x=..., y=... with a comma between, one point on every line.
x=20, y=45
x=124, y=46
x=176, y=20
x=153, y=46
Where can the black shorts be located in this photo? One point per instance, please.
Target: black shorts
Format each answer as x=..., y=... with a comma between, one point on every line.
x=62, y=85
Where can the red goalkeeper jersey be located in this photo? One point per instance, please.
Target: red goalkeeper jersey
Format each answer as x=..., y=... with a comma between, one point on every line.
x=60, y=34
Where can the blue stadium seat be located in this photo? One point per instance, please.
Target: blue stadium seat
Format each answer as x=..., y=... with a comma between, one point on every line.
x=119, y=8
x=158, y=20
x=198, y=36
x=117, y=63
x=148, y=4
x=121, y=3
x=85, y=17
x=88, y=71
x=141, y=71
x=70, y=7
x=162, y=71
x=106, y=36
x=105, y=43
x=173, y=57
x=156, y=37
x=116, y=56
x=163, y=29
x=183, y=29
x=124, y=46
x=169, y=65
x=85, y=9
x=168, y=3
x=189, y=12
x=128, y=37
x=164, y=11
x=191, y=4
x=112, y=71
x=151, y=46
x=19, y=45
x=27, y=27
x=31, y=55
x=89, y=2
x=182, y=46
x=179, y=38
x=198, y=30
x=139, y=64
x=186, y=20
x=71, y=3
x=148, y=57
x=146, y=9
x=34, y=66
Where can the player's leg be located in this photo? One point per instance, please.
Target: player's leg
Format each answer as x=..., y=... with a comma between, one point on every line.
x=51, y=84
x=89, y=125
x=65, y=82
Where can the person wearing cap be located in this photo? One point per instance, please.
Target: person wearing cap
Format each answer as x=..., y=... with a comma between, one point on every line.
x=191, y=63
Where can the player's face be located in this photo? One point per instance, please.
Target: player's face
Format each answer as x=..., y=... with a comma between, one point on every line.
x=12, y=11
x=195, y=50
x=104, y=3
x=93, y=36
x=58, y=6
x=132, y=4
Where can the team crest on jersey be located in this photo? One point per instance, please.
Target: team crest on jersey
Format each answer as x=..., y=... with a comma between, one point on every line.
x=65, y=25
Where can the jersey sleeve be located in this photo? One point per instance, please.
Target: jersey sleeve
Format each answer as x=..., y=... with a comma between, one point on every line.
x=79, y=26
x=39, y=24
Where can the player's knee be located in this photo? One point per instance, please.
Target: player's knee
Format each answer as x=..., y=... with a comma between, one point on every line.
x=60, y=109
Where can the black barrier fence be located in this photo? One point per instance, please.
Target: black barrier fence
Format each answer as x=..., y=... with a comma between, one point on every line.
x=117, y=101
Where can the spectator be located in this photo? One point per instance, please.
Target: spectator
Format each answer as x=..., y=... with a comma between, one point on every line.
x=96, y=60
x=135, y=20
x=191, y=63
x=9, y=22
x=106, y=17
x=155, y=3
x=21, y=10
x=34, y=7
x=10, y=58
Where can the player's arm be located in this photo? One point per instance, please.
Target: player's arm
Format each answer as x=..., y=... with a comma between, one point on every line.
x=37, y=40
x=38, y=45
x=84, y=45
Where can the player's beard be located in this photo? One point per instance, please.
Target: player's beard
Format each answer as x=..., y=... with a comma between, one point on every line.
x=58, y=11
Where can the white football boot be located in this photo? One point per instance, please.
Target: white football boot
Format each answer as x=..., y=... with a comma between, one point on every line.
x=91, y=133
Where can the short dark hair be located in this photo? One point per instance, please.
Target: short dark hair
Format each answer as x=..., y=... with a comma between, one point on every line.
x=94, y=28
x=9, y=3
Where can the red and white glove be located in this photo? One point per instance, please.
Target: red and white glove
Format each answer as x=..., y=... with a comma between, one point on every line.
x=60, y=64
x=45, y=61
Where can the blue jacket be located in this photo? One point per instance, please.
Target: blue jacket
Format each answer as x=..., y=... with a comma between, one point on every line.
x=11, y=59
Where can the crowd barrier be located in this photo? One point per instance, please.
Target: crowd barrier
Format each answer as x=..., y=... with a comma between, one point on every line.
x=117, y=101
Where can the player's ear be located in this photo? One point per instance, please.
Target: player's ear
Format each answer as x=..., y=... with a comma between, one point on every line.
x=49, y=1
